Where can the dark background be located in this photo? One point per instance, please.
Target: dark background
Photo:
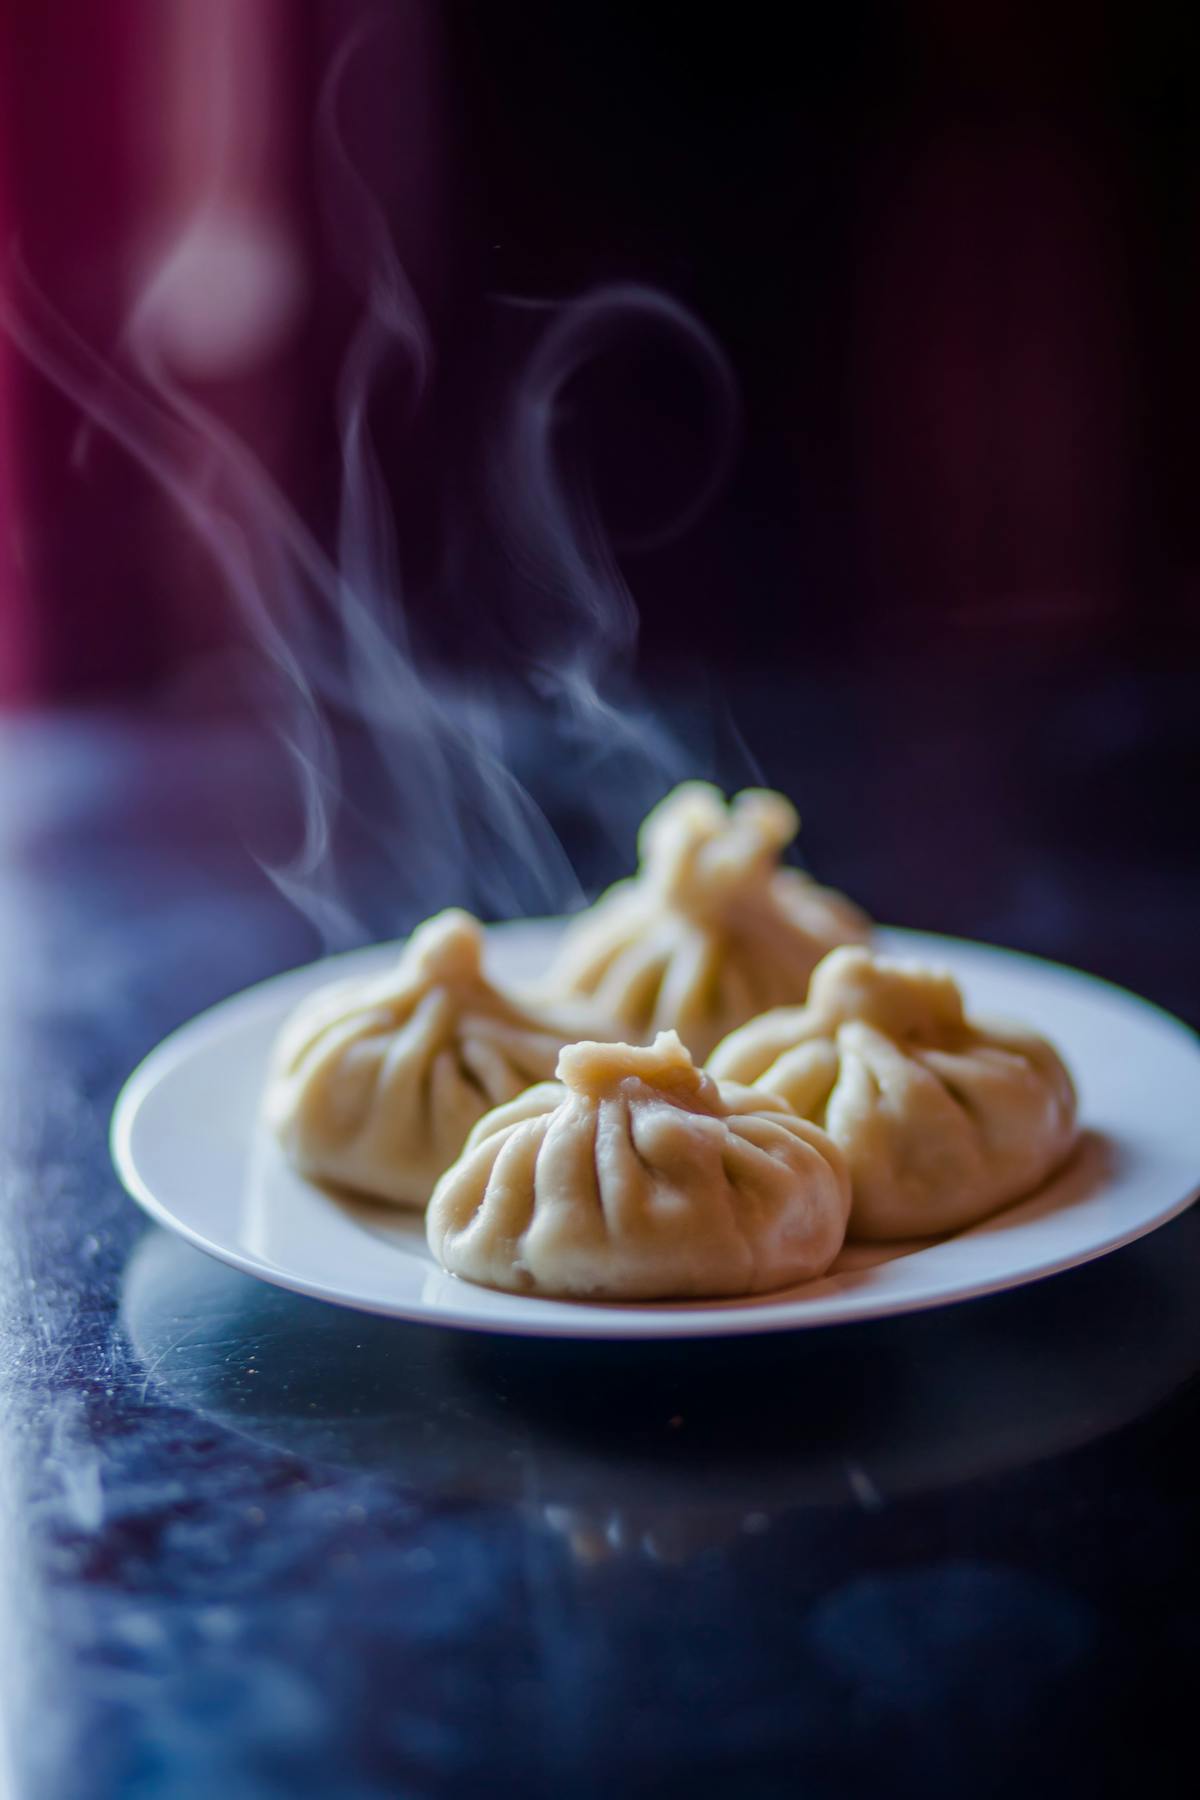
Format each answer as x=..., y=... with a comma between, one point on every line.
x=948, y=584
x=951, y=253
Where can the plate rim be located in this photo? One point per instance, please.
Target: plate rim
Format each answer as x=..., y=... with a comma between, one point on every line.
x=610, y=1320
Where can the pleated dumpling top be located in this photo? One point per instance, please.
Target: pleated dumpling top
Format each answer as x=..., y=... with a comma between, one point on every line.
x=943, y=1118
x=636, y=1176
x=375, y=1082
x=712, y=929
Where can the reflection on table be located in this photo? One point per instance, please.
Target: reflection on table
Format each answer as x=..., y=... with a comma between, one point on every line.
x=663, y=1450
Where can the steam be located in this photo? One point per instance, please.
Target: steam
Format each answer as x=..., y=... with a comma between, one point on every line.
x=550, y=533
x=389, y=754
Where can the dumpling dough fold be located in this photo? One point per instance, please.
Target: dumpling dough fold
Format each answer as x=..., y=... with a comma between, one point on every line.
x=943, y=1118
x=376, y=1082
x=636, y=1176
x=712, y=929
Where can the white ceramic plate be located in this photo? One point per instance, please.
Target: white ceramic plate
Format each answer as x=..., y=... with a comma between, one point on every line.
x=187, y=1144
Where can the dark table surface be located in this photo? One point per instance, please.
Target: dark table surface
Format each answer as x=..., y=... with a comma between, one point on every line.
x=255, y=1546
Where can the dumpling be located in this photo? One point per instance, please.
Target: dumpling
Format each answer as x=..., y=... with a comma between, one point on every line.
x=638, y=1177
x=943, y=1118
x=375, y=1082
x=711, y=930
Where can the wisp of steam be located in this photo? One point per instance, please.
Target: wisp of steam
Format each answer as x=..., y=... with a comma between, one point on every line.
x=386, y=747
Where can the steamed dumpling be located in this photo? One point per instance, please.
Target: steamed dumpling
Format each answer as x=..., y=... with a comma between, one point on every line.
x=711, y=930
x=376, y=1081
x=943, y=1118
x=638, y=1177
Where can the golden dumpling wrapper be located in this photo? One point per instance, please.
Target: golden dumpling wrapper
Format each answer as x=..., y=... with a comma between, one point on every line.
x=636, y=1176
x=713, y=929
x=375, y=1082
x=943, y=1119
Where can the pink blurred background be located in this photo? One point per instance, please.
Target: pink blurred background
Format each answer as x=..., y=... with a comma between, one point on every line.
x=950, y=251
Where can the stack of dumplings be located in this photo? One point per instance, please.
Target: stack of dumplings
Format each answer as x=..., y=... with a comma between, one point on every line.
x=572, y=1142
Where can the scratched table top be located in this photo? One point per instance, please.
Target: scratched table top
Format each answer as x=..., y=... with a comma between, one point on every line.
x=254, y=1546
